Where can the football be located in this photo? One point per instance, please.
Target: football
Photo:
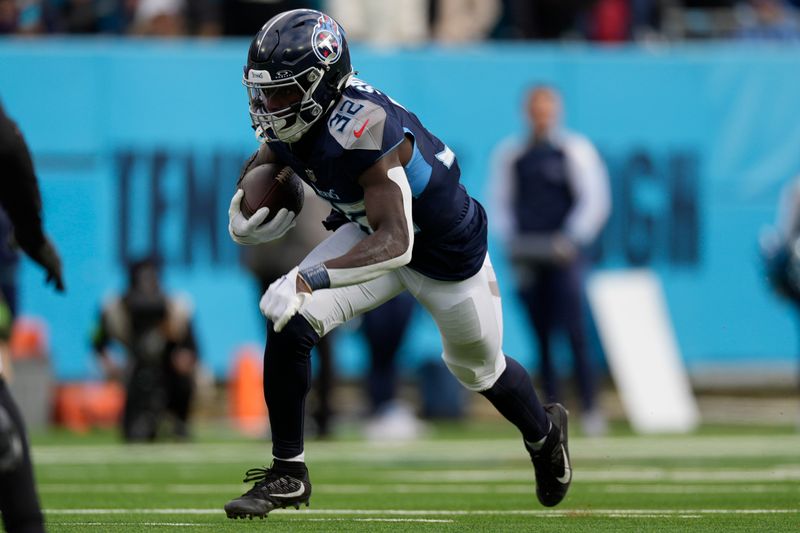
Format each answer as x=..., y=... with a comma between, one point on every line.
x=273, y=186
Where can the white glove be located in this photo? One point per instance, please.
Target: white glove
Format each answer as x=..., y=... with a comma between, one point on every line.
x=282, y=301
x=249, y=230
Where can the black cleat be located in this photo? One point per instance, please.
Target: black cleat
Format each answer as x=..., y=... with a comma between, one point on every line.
x=285, y=484
x=10, y=442
x=551, y=462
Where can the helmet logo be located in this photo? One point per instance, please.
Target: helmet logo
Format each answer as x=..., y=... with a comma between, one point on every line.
x=258, y=75
x=326, y=41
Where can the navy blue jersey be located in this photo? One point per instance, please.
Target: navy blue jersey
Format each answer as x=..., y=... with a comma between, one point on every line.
x=364, y=125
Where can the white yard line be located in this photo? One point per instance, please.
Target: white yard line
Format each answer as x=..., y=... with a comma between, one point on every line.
x=433, y=451
x=106, y=524
x=735, y=486
x=716, y=475
x=189, y=524
x=424, y=520
x=141, y=488
x=440, y=512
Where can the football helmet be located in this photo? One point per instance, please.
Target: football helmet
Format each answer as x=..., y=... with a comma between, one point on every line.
x=297, y=66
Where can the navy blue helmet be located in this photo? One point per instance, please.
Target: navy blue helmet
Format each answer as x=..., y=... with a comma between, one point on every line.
x=297, y=66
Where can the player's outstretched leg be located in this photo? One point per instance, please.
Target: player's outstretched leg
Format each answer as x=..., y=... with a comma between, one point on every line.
x=284, y=484
x=544, y=430
x=551, y=458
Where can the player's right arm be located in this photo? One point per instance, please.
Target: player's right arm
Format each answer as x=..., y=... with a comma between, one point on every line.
x=251, y=230
x=387, y=199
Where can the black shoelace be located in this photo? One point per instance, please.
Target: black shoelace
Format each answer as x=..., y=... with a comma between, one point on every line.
x=257, y=475
x=264, y=478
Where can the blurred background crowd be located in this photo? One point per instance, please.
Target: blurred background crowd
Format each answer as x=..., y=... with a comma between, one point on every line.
x=421, y=21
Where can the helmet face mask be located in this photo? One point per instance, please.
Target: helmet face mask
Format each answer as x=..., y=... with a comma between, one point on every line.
x=273, y=121
x=297, y=66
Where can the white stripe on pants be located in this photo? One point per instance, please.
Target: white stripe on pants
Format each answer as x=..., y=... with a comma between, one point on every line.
x=468, y=313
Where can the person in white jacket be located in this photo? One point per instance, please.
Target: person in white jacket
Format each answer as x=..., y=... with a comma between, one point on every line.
x=550, y=200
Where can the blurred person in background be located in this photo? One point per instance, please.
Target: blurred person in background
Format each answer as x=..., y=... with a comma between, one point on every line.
x=462, y=21
x=780, y=248
x=160, y=18
x=780, y=244
x=87, y=16
x=20, y=197
x=244, y=17
x=767, y=20
x=546, y=19
x=390, y=418
x=157, y=18
x=8, y=16
x=156, y=331
x=607, y=21
x=20, y=17
x=407, y=23
x=551, y=199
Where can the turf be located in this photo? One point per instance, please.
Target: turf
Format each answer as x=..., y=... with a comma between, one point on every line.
x=473, y=478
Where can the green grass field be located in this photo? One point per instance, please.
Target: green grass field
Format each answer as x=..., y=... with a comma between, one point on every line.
x=466, y=478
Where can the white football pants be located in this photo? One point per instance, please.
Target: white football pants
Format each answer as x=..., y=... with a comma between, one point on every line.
x=467, y=313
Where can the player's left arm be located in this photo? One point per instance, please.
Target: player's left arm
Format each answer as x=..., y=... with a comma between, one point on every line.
x=20, y=197
x=387, y=200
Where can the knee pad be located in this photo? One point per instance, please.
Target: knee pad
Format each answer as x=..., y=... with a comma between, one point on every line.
x=476, y=374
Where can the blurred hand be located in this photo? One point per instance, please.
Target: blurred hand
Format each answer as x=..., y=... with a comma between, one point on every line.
x=564, y=250
x=47, y=257
x=110, y=369
x=542, y=248
x=183, y=361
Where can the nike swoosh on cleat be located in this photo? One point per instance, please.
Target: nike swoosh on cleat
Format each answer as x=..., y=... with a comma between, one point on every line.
x=298, y=492
x=567, y=470
x=360, y=131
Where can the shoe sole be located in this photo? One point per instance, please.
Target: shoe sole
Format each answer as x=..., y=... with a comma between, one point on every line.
x=235, y=515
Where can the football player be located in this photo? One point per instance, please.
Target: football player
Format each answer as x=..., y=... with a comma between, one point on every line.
x=401, y=221
x=19, y=196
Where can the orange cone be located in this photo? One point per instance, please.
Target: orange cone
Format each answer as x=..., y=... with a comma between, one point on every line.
x=246, y=392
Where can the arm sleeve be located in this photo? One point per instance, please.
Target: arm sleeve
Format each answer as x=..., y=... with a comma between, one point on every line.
x=341, y=277
x=588, y=180
x=19, y=193
x=100, y=336
x=189, y=340
x=501, y=190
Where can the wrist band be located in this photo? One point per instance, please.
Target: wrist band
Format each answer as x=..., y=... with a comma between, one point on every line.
x=316, y=277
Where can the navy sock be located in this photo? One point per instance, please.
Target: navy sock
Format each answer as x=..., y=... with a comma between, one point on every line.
x=513, y=395
x=287, y=380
